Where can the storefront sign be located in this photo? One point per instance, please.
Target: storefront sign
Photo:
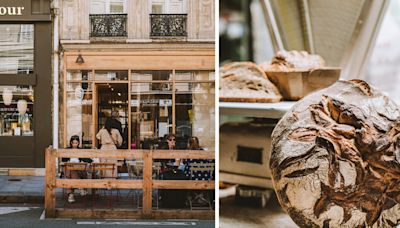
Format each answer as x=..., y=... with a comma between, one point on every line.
x=11, y=11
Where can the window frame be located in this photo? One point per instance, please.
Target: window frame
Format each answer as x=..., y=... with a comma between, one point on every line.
x=107, y=7
x=166, y=6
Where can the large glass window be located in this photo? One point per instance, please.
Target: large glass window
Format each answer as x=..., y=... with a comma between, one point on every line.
x=16, y=48
x=151, y=108
x=162, y=103
x=16, y=111
x=159, y=103
x=194, y=102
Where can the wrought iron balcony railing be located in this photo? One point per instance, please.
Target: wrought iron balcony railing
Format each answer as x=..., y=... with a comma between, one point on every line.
x=168, y=25
x=107, y=25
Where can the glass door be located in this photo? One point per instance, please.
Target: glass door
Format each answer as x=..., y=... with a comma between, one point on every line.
x=112, y=102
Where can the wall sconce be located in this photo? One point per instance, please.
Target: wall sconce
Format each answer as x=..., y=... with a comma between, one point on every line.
x=7, y=96
x=79, y=59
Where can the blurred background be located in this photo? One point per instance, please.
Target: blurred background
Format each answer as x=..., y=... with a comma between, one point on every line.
x=359, y=36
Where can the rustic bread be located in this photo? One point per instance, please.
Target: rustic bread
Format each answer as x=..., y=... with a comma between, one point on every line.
x=246, y=82
x=335, y=158
x=293, y=60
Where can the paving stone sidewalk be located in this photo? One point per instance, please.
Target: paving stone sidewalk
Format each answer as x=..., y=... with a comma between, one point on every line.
x=21, y=189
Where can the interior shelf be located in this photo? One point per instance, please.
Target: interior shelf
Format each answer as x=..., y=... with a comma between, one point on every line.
x=261, y=110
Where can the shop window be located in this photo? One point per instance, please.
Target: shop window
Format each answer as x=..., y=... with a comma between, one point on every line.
x=79, y=112
x=16, y=53
x=151, y=108
x=194, y=104
x=16, y=111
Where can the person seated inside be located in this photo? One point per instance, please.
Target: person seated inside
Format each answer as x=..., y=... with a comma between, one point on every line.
x=193, y=144
x=168, y=164
x=74, y=143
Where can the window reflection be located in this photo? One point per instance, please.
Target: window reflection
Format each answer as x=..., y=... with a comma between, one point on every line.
x=16, y=111
x=16, y=49
x=151, y=110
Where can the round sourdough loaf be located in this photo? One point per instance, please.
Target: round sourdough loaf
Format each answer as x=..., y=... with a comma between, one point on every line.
x=246, y=82
x=335, y=158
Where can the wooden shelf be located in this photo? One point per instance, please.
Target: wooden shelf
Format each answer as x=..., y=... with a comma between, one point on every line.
x=262, y=110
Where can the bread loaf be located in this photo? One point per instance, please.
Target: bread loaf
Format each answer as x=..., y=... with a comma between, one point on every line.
x=293, y=60
x=246, y=82
x=335, y=158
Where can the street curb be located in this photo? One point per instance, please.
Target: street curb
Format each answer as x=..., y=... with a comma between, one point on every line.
x=21, y=199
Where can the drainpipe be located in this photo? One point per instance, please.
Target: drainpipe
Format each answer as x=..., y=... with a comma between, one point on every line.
x=56, y=9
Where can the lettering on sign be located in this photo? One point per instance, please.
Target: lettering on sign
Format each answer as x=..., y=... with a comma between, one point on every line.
x=11, y=10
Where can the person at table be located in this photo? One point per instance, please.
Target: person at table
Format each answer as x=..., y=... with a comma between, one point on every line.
x=193, y=144
x=110, y=139
x=74, y=143
x=168, y=145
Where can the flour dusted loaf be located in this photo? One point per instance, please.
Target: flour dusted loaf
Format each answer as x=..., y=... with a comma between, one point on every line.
x=246, y=82
x=293, y=61
x=335, y=158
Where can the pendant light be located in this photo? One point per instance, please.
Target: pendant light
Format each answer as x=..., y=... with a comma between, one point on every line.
x=22, y=106
x=7, y=96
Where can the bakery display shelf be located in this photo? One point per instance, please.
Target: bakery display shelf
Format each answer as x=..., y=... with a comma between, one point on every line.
x=261, y=110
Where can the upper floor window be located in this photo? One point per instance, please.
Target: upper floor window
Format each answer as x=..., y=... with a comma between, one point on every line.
x=168, y=18
x=108, y=7
x=16, y=48
x=108, y=18
x=168, y=6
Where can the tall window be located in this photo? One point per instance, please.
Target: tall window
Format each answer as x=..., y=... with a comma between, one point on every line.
x=16, y=48
x=108, y=6
x=168, y=6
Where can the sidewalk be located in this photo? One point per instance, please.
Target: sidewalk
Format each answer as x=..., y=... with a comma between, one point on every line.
x=21, y=189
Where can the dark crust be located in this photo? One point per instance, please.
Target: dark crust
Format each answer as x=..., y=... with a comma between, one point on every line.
x=228, y=70
x=367, y=140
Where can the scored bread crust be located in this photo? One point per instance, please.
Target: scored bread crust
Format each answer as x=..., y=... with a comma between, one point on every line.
x=287, y=61
x=246, y=82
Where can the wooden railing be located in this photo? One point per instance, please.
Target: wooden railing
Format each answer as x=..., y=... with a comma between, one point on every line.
x=147, y=184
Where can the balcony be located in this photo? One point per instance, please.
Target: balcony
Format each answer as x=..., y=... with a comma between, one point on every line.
x=168, y=25
x=108, y=25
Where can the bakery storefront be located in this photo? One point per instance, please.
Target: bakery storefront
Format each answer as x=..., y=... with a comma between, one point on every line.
x=25, y=82
x=153, y=93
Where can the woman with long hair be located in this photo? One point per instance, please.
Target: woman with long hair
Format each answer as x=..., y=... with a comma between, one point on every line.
x=74, y=143
x=110, y=139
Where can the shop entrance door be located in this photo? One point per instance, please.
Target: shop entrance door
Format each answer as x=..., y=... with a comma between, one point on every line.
x=112, y=101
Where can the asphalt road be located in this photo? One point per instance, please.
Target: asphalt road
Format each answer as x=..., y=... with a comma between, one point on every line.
x=24, y=215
